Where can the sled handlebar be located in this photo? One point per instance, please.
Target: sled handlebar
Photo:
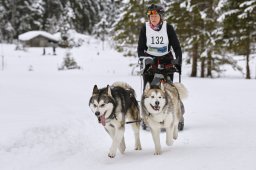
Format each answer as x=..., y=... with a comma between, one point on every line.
x=154, y=68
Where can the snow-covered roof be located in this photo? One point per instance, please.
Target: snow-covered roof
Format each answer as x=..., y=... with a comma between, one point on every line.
x=32, y=34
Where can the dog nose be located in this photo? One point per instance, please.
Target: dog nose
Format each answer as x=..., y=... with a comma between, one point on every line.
x=97, y=113
x=157, y=103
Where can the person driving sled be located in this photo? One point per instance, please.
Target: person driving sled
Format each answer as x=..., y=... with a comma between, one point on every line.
x=156, y=39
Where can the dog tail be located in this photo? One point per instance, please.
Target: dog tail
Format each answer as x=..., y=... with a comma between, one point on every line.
x=183, y=92
x=124, y=86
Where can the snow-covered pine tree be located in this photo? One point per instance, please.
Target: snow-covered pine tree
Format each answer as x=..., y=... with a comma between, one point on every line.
x=187, y=20
x=109, y=13
x=29, y=15
x=52, y=13
x=199, y=33
x=66, y=23
x=86, y=14
x=128, y=26
x=19, y=16
x=26, y=15
x=209, y=49
x=3, y=22
x=239, y=22
x=7, y=19
x=178, y=16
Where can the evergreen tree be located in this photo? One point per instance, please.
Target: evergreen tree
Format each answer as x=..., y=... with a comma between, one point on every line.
x=3, y=20
x=186, y=18
x=20, y=16
x=1, y=23
x=109, y=13
x=209, y=38
x=200, y=33
x=127, y=28
x=29, y=15
x=52, y=13
x=239, y=21
x=86, y=14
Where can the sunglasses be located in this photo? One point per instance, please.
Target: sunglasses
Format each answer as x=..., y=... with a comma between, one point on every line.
x=153, y=12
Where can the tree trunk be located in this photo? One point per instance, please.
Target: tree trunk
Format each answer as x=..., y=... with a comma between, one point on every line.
x=13, y=18
x=248, y=51
x=202, y=67
x=194, y=60
x=248, y=74
x=209, y=64
x=45, y=15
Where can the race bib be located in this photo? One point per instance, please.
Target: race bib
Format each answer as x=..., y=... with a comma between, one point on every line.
x=157, y=41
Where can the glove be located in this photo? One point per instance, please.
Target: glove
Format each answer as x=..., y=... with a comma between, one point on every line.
x=177, y=64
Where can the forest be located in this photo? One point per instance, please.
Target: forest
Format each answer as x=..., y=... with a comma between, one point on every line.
x=211, y=32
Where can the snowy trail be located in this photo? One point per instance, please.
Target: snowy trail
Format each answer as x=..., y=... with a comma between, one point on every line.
x=46, y=124
x=45, y=130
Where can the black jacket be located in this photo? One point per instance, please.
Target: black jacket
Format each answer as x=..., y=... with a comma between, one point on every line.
x=173, y=42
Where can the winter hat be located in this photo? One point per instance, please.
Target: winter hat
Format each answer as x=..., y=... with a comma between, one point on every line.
x=155, y=9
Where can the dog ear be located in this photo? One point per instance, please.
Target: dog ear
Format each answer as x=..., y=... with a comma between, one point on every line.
x=147, y=87
x=95, y=90
x=162, y=86
x=109, y=91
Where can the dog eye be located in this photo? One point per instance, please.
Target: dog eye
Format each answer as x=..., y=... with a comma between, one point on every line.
x=94, y=105
x=152, y=97
x=160, y=97
x=102, y=105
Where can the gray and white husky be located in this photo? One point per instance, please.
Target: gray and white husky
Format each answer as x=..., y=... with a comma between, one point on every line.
x=161, y=109
x=113, y=105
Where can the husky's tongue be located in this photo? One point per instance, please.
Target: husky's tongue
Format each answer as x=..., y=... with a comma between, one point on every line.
x=103, y=120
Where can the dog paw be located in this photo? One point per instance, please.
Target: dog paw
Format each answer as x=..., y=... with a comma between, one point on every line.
x=111, y=155
x=157, y=153
x=137, y=147
x=112, y=152
x=169, y=142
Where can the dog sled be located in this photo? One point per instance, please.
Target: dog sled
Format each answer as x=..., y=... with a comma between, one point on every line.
x=161, y=73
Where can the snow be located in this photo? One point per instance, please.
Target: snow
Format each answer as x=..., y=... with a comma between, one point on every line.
x=220, y=5
x=203, y=15
x=46, y=123
x=223, y=16
x=32, y=34
x=247, y=3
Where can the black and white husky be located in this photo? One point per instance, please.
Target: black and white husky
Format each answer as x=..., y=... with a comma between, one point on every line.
x=113, y=105
x=161, y=109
